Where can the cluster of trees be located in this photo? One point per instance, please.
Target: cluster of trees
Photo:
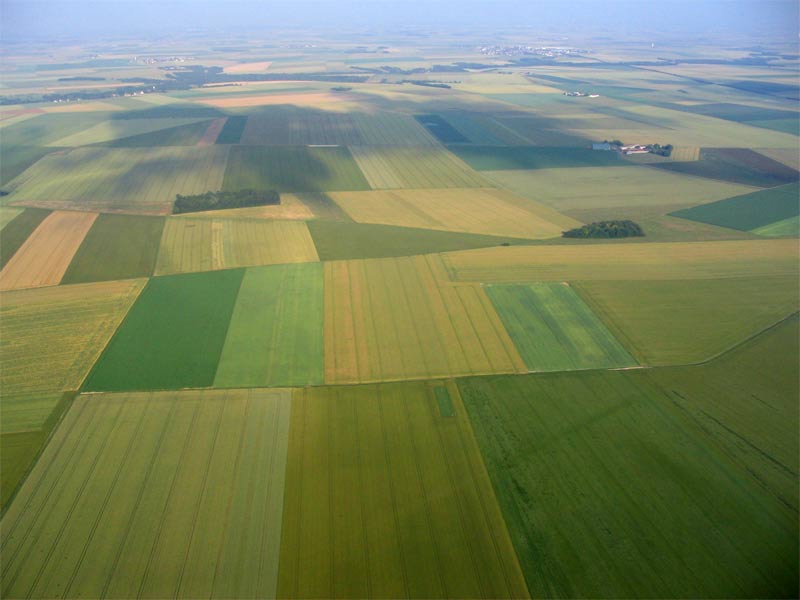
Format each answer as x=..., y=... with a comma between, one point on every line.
x=223, y=200
x=661, y=150
x=606, y=229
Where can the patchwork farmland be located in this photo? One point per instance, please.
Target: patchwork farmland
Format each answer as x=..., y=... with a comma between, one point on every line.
x=400, y=336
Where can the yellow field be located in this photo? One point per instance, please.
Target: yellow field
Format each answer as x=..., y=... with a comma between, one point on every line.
x=44, y=257
x=680, y=260
x=415, y=168
x=202, y=244
x=50, y=338
x=387, y=497
x=394, y=319
x=291, y=208
x=310, y=99
x=486, y=210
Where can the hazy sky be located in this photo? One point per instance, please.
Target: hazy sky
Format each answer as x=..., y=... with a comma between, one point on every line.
x=38, y=18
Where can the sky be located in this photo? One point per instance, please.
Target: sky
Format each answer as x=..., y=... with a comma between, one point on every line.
x=22, y=19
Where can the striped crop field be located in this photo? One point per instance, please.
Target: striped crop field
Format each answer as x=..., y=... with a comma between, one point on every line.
x=676, y=483
x=678, y=322
x=554, y=330
x=173, y=335
x=387, y=497
x=50, y=338
x=45, y=256
x=415, y=168
x=154, y=495
x=679, y=260
x=395, y=319
x=115, y=129
x=140, y=180
x=275, y=334
x=289, y=128
x=292, y=169
x=474, y=210
x=202, y=244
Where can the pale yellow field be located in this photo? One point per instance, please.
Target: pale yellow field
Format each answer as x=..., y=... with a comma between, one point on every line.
x=251, y=67
x=202, y=244
x=394, y=319
x=680, y=260
x=291, y=208
x=312, y=99
x=120, y=128
x=81, y=107
x=486, y=210
x=50, y=338
x=44, y=257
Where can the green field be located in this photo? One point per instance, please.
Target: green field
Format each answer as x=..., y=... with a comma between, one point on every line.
x=583, y=188
x=343, y=240
x=17, y=230
x=275, y=334
x=554, y=330
x=232, y=130
x=126, y=499
x=8, y=214
x=750, y=211
x=386, y=498
x=679, y=322
x=115, y=129
x=42, y=130
x=120, y=179
x=493, y=158
x=787, y=227
x=483, y=129
x=15, y=159
x=292, y=169
x=291, y=126
x=181, y=135
x=640, y=484
x=116, y=247
x=173, y=336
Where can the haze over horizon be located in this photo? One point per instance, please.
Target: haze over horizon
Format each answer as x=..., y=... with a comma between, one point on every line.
x=36, y=19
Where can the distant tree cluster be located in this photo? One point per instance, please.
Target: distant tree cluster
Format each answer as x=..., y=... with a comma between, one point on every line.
x=606, y=229
x=223, y=200
x=661, y=150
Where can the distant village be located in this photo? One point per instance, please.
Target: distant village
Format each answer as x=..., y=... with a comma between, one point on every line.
x=522, y=50
x=581, y=95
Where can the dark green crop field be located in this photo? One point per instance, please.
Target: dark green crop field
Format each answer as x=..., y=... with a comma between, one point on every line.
x=182, y=135
x=494, y=158
x=172, y=337
x=292, y=169
x=632, y=484
x=749, y=211
x=117, y=247
x=232, y=130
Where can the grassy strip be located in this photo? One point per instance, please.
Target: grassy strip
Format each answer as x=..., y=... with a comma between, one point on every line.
x=275, y=334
